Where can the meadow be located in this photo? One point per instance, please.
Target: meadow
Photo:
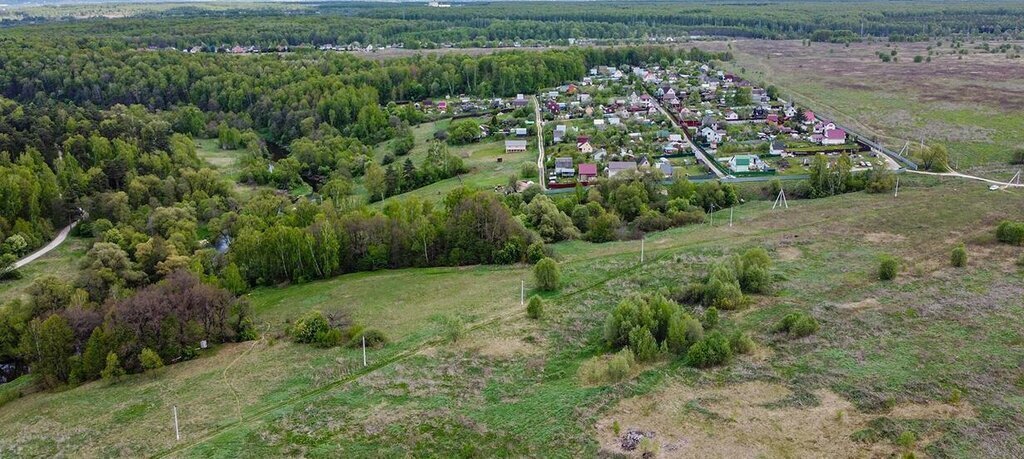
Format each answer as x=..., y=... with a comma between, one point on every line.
x=933, y=353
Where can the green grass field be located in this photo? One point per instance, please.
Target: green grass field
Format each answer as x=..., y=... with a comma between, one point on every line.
x=887, y=359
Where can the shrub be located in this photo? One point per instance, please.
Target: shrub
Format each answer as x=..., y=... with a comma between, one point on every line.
x=547, y=275
x=798, y=324
x=1010, y=232
x=888, y=268
x=643, y=344
x=529, y=171
x=683, y=331
x=959, y=257
x=113, y=371
x=604, y=369
x=150, y=360
x=310, y=327
x=741, y=343
x=374, y=338
x=330, y=338
x=712, y=350
x=711, y=318
x=535, y=308
x=1018, y=156
x=535, y=252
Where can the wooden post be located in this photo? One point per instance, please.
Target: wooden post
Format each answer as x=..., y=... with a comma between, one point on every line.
x=177, y=433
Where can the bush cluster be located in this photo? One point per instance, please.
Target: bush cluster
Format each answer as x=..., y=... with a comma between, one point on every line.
x=797, y=324
x=315, y=328
x=727, y=281
x=652, y=326
x=602, y=369
x=547, y=275
x=1010, y=232
x=535, y=308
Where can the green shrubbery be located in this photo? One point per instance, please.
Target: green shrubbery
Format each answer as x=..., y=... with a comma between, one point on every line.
x=712, y=350
x=535, y=308
x=888, y=268
x=1010, y=232
x=797, y=324
x=547, y=275
x=655, y=325
x=150, y=360
x=959, y=256
x=727, y=281
x=602, y=369
x=315, y=328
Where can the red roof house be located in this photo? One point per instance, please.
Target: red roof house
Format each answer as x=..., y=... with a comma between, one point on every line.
x=588, y=172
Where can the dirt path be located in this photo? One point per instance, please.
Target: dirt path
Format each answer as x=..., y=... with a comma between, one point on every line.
x=971, y=177
x=61, y=236
x=540, y=143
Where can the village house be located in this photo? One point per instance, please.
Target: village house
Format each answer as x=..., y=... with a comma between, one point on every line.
x=745, y=163
x=777, y=148
x=588, y=172
x=515, y=146
x=559, y=135
x=585, y=147
x=833, y=137
x=618, y=167
x=563, y=167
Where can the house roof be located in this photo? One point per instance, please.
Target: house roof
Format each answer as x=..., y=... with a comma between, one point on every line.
x=588, y=169
x=515, y=143
x=618, y=166
x=835, y=134
x=563, y=162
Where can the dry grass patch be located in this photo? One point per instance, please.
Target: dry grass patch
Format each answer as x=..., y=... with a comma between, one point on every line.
x=884, y=238
x=865, y=304
x=752, y=420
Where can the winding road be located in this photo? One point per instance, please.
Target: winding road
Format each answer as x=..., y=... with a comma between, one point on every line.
x=61, y=236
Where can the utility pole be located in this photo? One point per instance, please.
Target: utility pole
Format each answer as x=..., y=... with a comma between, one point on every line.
x=364, y=349
x=522, y=292
x=897, y=194
x=177, y=433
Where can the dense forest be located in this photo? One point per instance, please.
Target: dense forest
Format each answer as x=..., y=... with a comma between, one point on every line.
x=415, y=25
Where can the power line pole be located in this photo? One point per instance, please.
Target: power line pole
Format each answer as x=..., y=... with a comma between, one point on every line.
x=177, y=433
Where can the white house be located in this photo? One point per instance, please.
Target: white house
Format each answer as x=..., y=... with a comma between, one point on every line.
x=712, y=135
x=585, y=148
x=833, y=137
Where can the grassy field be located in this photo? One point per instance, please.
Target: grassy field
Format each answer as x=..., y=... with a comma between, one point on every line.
x=890, y=358
x=972, y=103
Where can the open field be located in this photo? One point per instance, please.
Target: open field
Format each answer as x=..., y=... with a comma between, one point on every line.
x=887, y=359
x=973, y=103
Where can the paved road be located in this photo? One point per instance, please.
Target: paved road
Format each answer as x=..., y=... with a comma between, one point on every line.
x=540, y=142
x=61, y=236
x=696, y=151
